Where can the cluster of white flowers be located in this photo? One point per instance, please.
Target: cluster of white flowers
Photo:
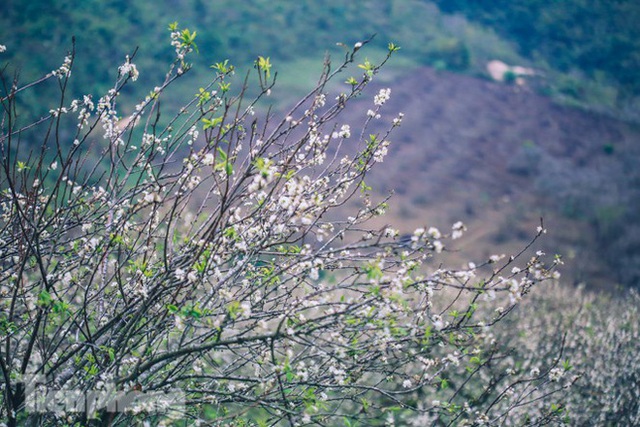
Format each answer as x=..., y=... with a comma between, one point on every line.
x=453, y=358
x=345, y=132
x=56, y=112
x=398, y=120
x=373, y=114
x=188, y=179
x=175, y=41
x=495, y=258
x=382, y=96
x=482, y=419
x=85, y=111
x=208, y=159
x=264, y=176
x=434, y=233
x=438, y=323
x=339, y=375
x=129, y=69
x=458, y=230
x=245, y=308
x=65, y=68
x=151, y=141
x=151, y=197
x=193, y=135
x=109, y=117
x=381, y=151
x=317, y=146
x=515, y=291
x=556, y=374
x=3, y=48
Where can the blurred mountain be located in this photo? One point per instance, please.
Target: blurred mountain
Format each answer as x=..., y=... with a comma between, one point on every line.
x=501, y=157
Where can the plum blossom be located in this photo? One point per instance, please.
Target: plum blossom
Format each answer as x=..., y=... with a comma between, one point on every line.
x=556, y=374
x=180, y=274
x=129, y=68
x=64, y=70
x=208, y=159
x=382, y=96
x=458, y=230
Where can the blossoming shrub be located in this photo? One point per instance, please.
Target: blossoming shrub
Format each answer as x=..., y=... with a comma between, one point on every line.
x=202, y=268
x=599, y=338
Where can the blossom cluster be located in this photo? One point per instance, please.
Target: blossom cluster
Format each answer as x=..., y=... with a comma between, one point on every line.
x=65, y=68
x=129, y=69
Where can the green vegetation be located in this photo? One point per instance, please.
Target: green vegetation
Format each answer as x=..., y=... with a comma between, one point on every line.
x=599, y=39
x=37, y=34
x=589, y=51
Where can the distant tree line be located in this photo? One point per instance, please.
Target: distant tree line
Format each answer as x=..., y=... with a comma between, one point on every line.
x=598, y=37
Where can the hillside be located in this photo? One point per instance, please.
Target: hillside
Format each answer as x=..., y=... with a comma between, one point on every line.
x=498, y=158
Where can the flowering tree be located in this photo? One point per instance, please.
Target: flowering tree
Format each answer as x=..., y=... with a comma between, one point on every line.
x=203, y=268
x=601, y=344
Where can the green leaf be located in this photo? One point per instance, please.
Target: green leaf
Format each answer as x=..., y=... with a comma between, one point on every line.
x=352, y=81
x=22, y=166
x=60, y=307
x=188, y=38
x=223, y=67
x=233, y=308
x=393, y=47
x=428, y=332
x=44, y=299
x=210, y=124
x=367, y=66
x=203, y=96
x=365, y=404
x=264, y=65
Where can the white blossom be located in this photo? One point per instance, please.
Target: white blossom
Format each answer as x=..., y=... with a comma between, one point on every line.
x=382, y=96
x=192, y=277
x=458, y=229
x=345, y=131
x=556, y=374
x=129, y=68
x=208, y=159
x=180, y=274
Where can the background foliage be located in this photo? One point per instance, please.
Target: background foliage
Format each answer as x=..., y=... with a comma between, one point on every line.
x=599, y=38
x=588, y=50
